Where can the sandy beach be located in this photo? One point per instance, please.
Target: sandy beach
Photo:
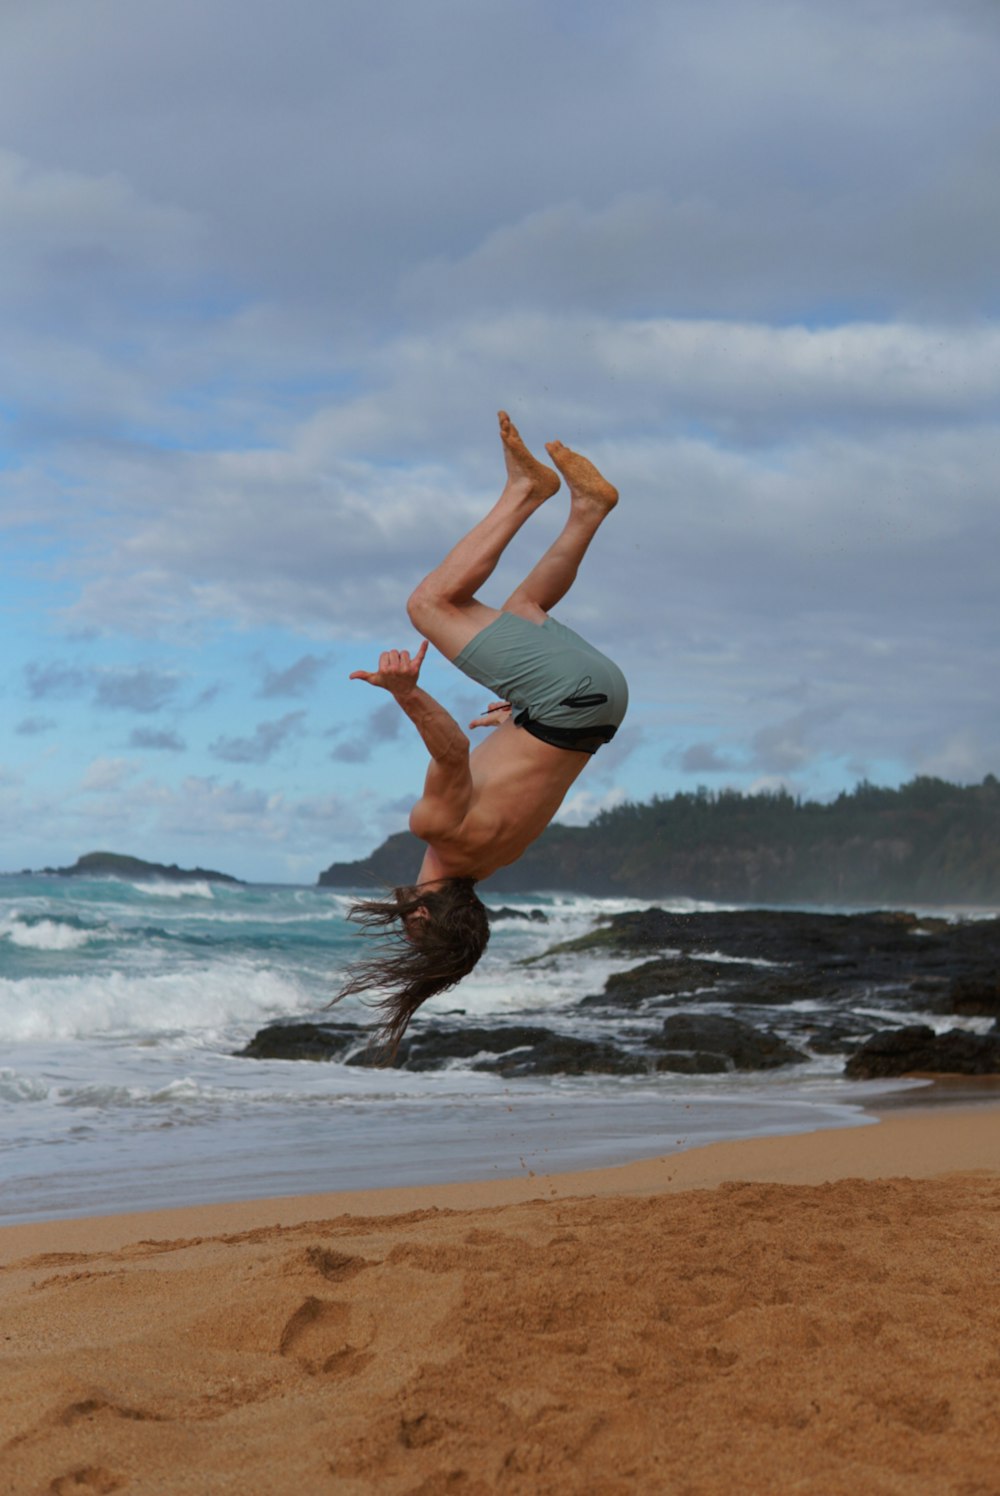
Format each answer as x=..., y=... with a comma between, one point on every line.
x=816, y=1313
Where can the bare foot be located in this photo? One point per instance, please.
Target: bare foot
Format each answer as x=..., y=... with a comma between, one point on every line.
x=523, y=470
x=586, y=485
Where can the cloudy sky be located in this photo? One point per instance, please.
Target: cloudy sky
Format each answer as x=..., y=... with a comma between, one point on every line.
x=268, y=271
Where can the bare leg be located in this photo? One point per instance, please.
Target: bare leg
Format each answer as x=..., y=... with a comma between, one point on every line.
x=444, y=607
x=592, y=499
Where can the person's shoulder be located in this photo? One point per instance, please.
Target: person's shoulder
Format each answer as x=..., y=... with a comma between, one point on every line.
x=437, y=818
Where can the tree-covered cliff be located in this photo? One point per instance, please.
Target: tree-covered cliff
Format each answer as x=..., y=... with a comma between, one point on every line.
x=926, y=842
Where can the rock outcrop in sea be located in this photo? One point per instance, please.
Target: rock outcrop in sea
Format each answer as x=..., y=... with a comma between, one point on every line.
x=916, y=1049
x=137, y=870
x=795, y=985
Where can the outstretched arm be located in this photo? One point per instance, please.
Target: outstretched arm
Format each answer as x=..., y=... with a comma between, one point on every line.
x=448, y=787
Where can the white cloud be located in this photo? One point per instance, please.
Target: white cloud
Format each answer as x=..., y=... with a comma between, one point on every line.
x=148, y=739
x=850, y=549
x=963, y=756
x=311, y=535
x=252, y=832
x=266, y=740
x=267, y=273
x=136, y=690
x=384, y=725
x=105, y=775
x=55, y=680
x=34, y=726
x=583, y=805
x=728, y=149
x=705, y=758
x=80, y=234
x=783, y=747
x=297, y=679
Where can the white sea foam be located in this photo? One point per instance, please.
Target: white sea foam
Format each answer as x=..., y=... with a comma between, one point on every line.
x=184, y=1091
x=14, y=1087
x=125, y=1019
x=205, y=1000
x=722, y=959
x=341, y=903
x=44, y=934
x=165, y=890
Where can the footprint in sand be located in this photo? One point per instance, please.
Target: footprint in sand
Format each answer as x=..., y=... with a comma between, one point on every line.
x=335, y=1267
x=83, y=1409
x=316, y=1337
x=90, y=1407
x=88, y=1480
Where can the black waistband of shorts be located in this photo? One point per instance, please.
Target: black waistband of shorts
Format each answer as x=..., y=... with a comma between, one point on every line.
x=576, y=739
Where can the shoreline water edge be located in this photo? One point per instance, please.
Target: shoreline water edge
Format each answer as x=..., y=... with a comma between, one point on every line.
x=128, y=1013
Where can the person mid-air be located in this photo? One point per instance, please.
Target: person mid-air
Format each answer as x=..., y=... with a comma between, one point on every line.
x=561, y=700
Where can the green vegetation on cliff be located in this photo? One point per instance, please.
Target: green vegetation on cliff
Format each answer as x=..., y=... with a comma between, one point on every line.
x=927, y=842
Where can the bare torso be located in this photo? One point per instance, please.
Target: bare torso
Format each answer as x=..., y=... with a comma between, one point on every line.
x=518, y=784
x=480, y=810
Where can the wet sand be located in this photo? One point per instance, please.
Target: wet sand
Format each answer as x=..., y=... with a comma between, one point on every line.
x=816, y=1313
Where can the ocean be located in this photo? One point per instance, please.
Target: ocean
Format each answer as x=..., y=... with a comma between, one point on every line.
x=123, y=1007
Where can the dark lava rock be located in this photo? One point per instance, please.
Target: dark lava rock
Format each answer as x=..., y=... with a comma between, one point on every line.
x=536, y=915
x=304, y=1041
x=772, y=988
x=742, y=1046
x=916, y=1047
x=431, y=1048
x=701, y=980
x=976, y=994
x=831, y=1038
x=902, y=959
x=661, y=978
x=521, y=1049
x=560, y=1054
x=138, y=870
x=876, y=945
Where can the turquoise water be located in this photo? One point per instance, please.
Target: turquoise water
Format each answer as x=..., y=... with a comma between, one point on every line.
x=122, y=1007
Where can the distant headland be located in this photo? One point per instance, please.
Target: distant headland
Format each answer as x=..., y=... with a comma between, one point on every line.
x=136, y=870
x=928, y=842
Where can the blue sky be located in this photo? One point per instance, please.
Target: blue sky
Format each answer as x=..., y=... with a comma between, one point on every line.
x=266, y=275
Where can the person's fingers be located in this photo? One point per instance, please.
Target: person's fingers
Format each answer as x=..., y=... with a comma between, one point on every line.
x=493, y=716
x=393, y=662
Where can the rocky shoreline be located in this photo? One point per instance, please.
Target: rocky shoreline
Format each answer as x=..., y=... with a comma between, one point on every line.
x=795, y=985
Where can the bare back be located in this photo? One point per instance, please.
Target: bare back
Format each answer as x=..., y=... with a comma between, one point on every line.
x=518, y=785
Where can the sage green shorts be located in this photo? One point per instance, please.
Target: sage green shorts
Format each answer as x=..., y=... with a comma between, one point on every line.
x=555, y=678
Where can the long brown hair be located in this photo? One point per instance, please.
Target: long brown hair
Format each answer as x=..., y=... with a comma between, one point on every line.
x=433, y=953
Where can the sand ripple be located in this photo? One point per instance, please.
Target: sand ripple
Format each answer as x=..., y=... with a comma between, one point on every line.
x=759, y=1337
